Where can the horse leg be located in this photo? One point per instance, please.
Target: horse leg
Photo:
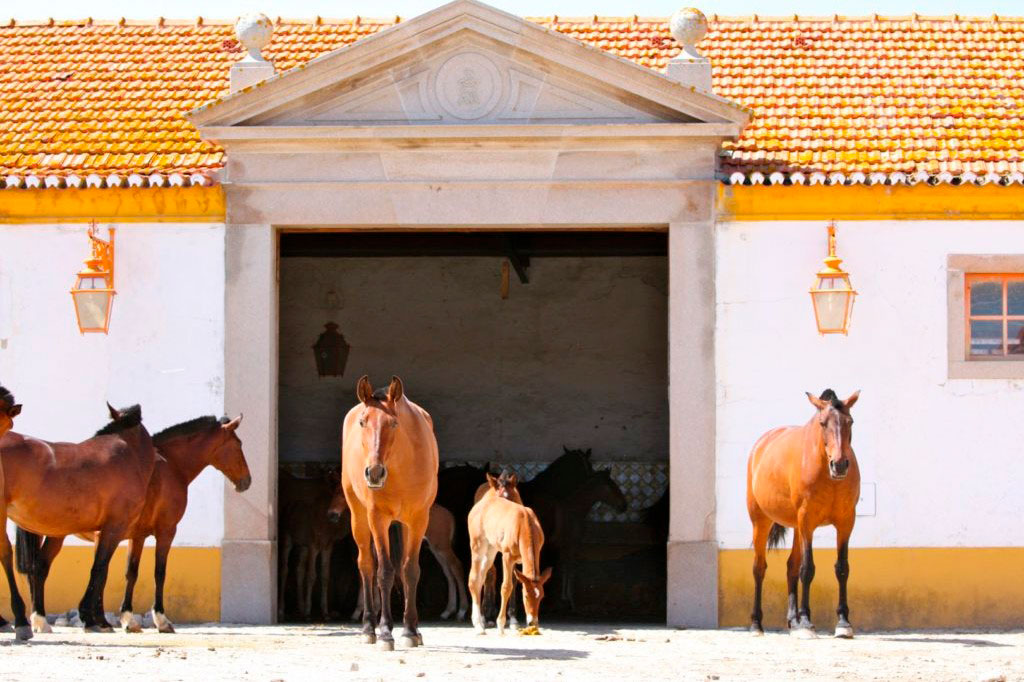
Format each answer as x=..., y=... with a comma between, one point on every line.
x=90, y=609
x=762, y=526
x=325, y=579
x=843, y=627
x=362, y=536
x=793, y=581
x=458, y=600
x=507, y=587
x=163, y=548
x=804, y=627
x=490, y=595
x=309, y=579
x=482, y=560
x=131, y=575
x=22, y=629
x=284, y=554
x=379, y=528
x=37, y=583
x=412, y=540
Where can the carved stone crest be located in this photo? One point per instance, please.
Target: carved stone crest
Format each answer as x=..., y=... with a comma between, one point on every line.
x=468, y=85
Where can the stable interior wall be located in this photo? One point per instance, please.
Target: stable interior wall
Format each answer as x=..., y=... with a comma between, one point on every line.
x=577, y=357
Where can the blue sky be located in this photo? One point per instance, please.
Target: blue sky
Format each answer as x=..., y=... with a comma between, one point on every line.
x=226, y=9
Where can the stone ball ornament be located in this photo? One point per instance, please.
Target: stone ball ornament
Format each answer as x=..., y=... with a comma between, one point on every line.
x=253, y=32
x=689, y=26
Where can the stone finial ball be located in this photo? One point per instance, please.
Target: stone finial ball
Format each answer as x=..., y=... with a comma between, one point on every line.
x=688, y=26
x=253, y=32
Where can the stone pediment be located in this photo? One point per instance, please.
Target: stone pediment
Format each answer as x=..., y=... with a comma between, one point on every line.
x=467, y=63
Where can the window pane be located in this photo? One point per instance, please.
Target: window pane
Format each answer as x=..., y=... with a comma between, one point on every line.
x=1015, y=296
x=986, y=337
x=986, y=298
x=1015, y=332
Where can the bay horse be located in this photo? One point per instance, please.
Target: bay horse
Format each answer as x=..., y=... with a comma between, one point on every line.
x=60, y=489
x=804, y=477
x=497, y=524
x=9, y=409
x=185, y=450
x=389, y=462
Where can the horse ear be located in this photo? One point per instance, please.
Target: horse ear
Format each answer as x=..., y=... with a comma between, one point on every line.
x=14, y=411
x=491, y=480
x=114, y=414
x=364, y=391
x=545, y=575
x=233, y=424
x=396, y=390
x=565, y=450
x=512, y=480
x=519, y=576
x=587, y=453
x=817, y=402
x=852, y=400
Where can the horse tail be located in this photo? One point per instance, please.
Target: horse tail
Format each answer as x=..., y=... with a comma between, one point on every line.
x=776, y=536
x=528, y=547
x=27, y=552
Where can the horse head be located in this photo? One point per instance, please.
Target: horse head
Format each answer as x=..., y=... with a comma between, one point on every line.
x=609, y=492
x=533, y=593
x=8, y=410
x=378, y=423
x=505, y=485
x=837, y=430
x=229, y=458
x=338, y=505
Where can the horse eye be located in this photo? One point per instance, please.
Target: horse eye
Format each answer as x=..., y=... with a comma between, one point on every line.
x=394, y=423
x=362, y=422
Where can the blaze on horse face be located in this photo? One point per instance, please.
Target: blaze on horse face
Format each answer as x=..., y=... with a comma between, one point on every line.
x=378, y=422
x=837, y=428
x=533, y=593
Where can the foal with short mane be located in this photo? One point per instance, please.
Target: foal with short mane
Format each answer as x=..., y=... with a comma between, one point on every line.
x=804, y=477
x=497, y=524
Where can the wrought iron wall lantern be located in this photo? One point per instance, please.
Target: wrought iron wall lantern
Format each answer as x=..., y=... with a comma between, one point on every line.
x=331, y=351
x=93, y=292
x=832, y=294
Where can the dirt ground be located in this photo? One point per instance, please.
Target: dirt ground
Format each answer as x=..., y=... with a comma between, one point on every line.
x=306, y=653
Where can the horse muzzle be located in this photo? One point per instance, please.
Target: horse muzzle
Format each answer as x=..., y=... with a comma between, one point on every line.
x=375, y=476
x=334, y=516
x=838, y=470
x=243, y=484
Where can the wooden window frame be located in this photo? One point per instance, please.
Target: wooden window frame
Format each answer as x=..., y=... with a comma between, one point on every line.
x=961, y=269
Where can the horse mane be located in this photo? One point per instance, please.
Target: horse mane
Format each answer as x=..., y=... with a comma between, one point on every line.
x=6, y=396
x=187, y=428
x=830, y=395
x=130, y=417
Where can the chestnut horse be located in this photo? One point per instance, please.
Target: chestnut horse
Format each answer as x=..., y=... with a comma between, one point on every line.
x=389, y=462
x=804, y=477
x=497, y=524
x=9, y=409
x=186, y=449
x=60, y=489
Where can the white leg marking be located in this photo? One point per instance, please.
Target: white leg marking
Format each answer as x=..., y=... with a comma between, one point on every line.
x=162, y=622
x=478, y=619
x=130, y=622
x=39, y=623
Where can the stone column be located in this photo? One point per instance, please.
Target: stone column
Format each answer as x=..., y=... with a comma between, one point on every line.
x=692, y=583
x=249, y=551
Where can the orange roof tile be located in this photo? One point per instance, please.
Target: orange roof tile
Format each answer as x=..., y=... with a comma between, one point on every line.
x=835, y=99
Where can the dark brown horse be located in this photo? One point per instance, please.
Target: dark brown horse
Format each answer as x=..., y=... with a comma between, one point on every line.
x=804, y=477
x=389, y=463
x=186, y=449
x=98, y=485
x=9, y=409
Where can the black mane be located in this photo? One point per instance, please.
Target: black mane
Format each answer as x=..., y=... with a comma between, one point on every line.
x=830, y=395
x=130, y=417
x=6, y=396
x=189, y=427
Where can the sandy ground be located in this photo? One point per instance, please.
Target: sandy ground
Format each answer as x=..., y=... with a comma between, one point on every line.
x=305, y=653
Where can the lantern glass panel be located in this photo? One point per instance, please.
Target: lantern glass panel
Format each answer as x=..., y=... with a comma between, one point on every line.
x=92, y=308
x=89, y=283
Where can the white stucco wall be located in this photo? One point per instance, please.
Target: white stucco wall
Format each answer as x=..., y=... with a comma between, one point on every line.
x=944, y=455
x=165, y=349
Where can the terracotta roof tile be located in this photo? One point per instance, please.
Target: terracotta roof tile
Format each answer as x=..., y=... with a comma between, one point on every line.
x=868, y=96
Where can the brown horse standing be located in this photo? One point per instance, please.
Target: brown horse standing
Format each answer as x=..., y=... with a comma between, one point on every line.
x=497, y=524
x=186, y=450
x=389, y=462
x=804, y=477
x=60, y=489
x=9, y=409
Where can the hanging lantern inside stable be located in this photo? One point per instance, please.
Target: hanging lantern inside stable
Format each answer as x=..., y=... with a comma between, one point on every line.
x=331, y=352
x=93, y=292
x=832, y=294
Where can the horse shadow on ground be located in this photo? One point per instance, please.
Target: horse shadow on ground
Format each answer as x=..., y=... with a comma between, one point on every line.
x=963, y=641
x=507, y=654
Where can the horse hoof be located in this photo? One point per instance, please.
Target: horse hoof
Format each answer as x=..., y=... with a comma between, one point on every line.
x=446, y=615
x=461, y=616
x=23, y=633
x=844, y=632
x=369, y=639
x=757, y=632
x=93, y=628
x=409, y=642
x=6, y=627
x=39, y=623
x=804, y=633
x=386, y=645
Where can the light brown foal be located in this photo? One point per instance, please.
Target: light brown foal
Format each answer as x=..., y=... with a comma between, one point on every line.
x=497, y=524
x=9, y=409
x=804, y=477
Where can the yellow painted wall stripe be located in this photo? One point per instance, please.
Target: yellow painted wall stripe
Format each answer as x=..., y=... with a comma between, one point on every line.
x=888, y=588
x=875, y=202
x=121, y=205
x=191, y=592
